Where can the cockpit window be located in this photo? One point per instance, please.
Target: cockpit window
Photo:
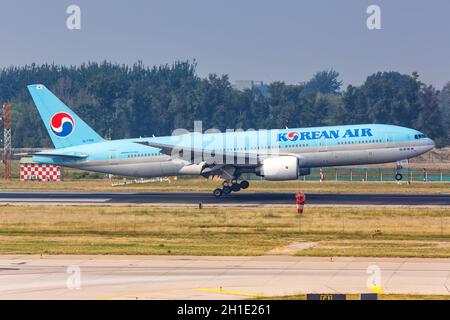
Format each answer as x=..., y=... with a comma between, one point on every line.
x=419, y=136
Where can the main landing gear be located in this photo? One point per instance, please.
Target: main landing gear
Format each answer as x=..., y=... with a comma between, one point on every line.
x=398, y=176
x=231, y=186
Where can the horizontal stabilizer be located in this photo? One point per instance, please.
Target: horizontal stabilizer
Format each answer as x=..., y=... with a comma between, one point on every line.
x=54, y=155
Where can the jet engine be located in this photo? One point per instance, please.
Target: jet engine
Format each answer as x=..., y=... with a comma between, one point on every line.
x=279, y=168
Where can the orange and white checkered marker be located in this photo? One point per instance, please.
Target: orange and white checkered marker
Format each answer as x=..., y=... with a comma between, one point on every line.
x=40, y=172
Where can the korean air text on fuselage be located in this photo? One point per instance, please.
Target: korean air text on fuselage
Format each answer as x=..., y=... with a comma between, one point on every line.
x=323, y=134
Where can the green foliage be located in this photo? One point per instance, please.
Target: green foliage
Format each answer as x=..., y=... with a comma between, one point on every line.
x=444, y=109
x=394, y=98
x=324, y=82
x=121, y=101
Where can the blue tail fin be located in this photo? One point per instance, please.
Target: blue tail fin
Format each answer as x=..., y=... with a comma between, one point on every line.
x=65, y=128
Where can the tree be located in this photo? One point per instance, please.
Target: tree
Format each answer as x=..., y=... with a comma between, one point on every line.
x=121, y=101
x=391, y=98
x=429, y=117
x=325, y=82
x=444, y=108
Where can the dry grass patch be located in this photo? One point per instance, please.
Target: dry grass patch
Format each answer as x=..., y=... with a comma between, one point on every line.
x=224, y=231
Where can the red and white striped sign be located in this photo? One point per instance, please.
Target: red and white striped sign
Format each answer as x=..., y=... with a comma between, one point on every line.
x=40, y=172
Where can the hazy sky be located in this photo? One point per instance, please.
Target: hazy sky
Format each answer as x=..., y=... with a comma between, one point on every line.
x=261, y=40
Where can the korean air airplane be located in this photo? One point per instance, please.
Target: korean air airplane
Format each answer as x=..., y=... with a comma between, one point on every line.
x=276, y=155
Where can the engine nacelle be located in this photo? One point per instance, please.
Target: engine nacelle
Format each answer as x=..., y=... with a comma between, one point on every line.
x=280, y=168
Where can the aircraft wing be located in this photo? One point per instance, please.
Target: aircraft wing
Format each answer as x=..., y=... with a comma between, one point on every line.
x=243, y=158
x=166, y=149
x=211, y=167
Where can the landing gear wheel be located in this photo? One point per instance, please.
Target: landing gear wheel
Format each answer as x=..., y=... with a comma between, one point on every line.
x=227, y=190
x=244, y=184
x=234, y=181
x=217, y=193
x=398, y=177
x=236, y=187
x=226, y=183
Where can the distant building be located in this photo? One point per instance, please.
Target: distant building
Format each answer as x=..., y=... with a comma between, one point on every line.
x=260, y=86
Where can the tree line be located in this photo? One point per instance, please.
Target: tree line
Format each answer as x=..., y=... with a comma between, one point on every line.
x=122, y=101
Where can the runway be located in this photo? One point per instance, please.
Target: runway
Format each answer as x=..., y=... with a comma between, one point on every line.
x=184, y=277
x=192, y=198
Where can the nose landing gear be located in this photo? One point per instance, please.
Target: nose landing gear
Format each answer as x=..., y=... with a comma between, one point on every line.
x=398, y=176
x=231, y=186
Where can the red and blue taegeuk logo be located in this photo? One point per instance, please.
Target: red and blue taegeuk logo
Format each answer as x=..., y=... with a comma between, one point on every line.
x=293, y=136
x=62, y=124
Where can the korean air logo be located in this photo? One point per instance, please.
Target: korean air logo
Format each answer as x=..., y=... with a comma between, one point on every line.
x=292, y=136
x=62, y=124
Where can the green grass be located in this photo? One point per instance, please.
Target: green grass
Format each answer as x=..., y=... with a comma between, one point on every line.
x=200, y=184
x=377, y=232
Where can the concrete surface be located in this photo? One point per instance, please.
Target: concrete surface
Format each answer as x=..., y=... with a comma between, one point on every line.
x=184, y=277
x=194, y=198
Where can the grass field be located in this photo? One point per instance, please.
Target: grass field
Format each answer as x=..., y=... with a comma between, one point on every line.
x=376, y=232
x=200, y=184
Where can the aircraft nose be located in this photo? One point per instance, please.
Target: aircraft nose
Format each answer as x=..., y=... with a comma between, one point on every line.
x=432, y=144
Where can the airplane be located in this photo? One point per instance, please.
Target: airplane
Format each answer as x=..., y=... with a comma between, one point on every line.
x=275, y=155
